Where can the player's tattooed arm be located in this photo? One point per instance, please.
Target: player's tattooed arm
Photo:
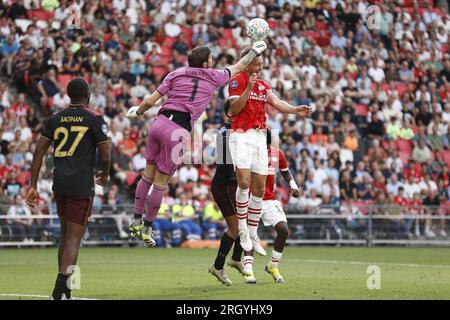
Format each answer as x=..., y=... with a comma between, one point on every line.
x=237, y=104
x=284, y=107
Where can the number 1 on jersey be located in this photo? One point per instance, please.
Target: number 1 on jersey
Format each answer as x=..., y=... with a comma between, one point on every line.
x=194, y=90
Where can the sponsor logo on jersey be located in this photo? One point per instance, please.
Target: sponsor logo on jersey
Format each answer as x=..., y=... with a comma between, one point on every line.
x=258, y=97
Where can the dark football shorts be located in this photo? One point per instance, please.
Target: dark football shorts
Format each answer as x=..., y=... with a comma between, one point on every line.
x=225, y=197
x=75, y=209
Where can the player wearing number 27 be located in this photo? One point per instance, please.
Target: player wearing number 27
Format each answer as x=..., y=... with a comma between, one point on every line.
x=76, y=132
x=189, y=91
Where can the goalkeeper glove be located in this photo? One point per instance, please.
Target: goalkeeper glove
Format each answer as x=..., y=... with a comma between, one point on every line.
x=133, y=112
x=258, y=47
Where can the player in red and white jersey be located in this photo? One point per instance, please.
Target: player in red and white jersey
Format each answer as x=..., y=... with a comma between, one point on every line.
x=272, y=213
x=248, y=96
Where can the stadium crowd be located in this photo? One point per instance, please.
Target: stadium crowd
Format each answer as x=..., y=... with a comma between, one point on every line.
x=379, y=84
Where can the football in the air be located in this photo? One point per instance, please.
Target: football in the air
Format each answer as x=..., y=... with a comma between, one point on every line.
x=258, y=29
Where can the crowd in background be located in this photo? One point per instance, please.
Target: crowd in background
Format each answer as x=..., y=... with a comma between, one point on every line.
x=379, y=84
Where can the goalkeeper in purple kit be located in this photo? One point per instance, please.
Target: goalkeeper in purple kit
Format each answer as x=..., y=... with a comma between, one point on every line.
x=189, y=91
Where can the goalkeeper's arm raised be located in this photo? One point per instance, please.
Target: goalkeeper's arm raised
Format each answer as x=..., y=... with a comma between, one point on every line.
x=148, y=102
x=257, y=48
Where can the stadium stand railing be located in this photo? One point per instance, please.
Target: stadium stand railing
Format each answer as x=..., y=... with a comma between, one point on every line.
x=358, y=224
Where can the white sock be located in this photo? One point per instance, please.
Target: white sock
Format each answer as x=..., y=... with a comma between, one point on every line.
x=248, y=263
x=241, y=207
x=276, y=257
x=254, y=214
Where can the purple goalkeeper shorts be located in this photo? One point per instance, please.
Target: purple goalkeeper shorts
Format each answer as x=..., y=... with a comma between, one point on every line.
x=166, y=143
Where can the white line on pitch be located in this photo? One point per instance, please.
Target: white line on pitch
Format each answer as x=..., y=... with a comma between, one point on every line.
x=411, y=265
x=18, y=295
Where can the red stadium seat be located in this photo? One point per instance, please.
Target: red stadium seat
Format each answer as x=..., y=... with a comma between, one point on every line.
x=40, y=14
x=64, y=79
x=169, y=41
x=446, y=157
x=313, y=34
x=227, y=33
x=23, y=178
x=404, y=145
x=159, y=71
x=166, y=51
x=401, y=89
x=273, y=24
x=107, y=37
x=404, y=156
x=131, y=177
x=361, y=110
x=187, y=32
x=321, y=26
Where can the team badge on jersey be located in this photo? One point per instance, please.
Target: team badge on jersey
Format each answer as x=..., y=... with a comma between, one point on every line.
x=233, y=84
x=105, y=129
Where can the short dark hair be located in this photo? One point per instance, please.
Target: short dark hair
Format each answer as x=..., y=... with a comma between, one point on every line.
x=198, y=56
x=78, y=90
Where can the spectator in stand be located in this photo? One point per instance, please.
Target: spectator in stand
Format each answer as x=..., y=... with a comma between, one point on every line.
x=48, y=87
x=421, y=153
x=186, y=217
x=163, y=225
x=188, y=173
x=61, y=100
x=213, y=221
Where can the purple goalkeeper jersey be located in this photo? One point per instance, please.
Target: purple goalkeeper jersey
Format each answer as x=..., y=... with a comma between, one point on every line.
x=191, y=89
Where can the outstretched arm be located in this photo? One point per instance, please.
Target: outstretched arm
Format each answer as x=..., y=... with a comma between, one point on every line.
x=148, y=102
x=283, y=106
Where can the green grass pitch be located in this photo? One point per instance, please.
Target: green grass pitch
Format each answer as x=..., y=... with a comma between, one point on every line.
x=310, y=273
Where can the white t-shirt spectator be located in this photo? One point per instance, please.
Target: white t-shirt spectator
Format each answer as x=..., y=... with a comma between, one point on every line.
x=393, y=188
x=97, y=100
x=8, y=136
x=431, y=186
x=139, y=162
x=377, y=74
x=186, y=174
x=411, y=189
x=398, y=163
x=60, y=102
x=25, y=134
x=172, y=29
x=115, y=137
x=121, y=124
x=313, y=203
